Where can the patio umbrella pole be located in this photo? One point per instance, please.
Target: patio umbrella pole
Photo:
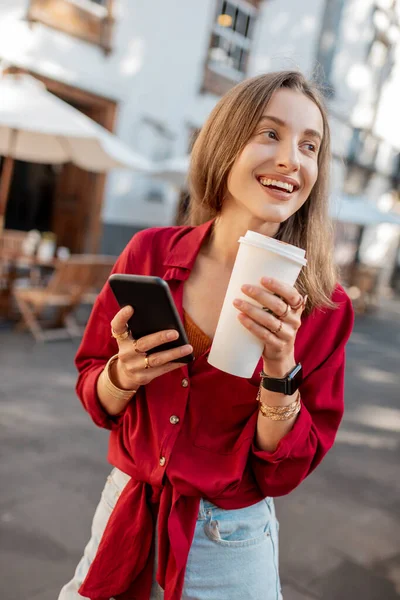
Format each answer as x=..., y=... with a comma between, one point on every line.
x=5, y=185
x=6, y=177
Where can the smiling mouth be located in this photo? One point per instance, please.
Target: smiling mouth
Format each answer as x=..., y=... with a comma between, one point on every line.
x=274, y=184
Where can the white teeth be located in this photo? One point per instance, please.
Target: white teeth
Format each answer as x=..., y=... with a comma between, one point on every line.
x=281, y=184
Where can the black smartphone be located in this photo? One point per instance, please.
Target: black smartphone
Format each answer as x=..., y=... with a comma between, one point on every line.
x=154, y=307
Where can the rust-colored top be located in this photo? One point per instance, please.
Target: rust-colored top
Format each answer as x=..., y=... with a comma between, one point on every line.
x=197, y=338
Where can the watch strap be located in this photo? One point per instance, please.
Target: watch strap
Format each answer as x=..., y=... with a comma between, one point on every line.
x=287, y=385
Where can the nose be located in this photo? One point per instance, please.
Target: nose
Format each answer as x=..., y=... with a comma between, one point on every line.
x=287, y=157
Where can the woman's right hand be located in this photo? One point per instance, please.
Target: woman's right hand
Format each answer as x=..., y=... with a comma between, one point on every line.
x=129, y=372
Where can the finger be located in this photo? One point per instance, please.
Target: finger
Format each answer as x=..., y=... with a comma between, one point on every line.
x=303, y=307
x=287, y=292
x=159, y=359
x=134, y=356
x=266, y=299
x=119, y=322
x=148, y=342
x=156, y=371
x=265, y=319
x=262, y=333
x=142, y=376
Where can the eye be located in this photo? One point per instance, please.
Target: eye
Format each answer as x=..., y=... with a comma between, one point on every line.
x=310, y=147
x=271, y=134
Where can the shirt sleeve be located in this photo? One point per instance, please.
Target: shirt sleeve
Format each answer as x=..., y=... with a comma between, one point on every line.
x=322, y=394
x=97, y=347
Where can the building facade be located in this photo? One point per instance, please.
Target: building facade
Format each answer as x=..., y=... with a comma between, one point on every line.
x=152, y=72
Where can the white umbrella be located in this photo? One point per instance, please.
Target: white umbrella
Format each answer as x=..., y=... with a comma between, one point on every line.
x=37, y=126
x=360, y=211
x=174, y=170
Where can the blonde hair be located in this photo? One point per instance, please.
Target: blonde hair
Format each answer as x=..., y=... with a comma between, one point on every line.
x=226, y=132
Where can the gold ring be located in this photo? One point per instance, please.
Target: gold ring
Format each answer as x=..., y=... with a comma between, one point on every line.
x=146, y=362
x=298, y=305
x=277, y=330
x=120, y=336
x=285, y=313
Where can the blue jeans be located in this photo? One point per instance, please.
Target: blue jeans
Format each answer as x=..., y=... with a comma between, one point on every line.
x=234, y=553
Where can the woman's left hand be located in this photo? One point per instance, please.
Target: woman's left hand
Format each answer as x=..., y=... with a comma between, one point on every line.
x=276, y=323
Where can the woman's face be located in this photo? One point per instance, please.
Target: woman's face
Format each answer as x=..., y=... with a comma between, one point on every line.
x=275, y=172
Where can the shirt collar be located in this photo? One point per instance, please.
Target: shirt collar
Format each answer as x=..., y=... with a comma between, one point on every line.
x=182, y=255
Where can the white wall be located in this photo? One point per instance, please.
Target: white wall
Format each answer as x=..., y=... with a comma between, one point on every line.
x=63, y=57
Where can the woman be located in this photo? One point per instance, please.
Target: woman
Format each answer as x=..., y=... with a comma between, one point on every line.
x=198, y=453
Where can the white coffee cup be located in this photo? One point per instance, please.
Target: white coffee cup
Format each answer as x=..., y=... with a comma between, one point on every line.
x=234, y=349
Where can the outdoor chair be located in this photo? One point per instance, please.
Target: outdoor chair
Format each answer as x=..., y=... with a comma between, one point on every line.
x=65, y=291
x=11, y=242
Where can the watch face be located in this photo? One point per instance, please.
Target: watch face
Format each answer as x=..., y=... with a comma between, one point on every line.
x=296, y=373
x=294, y=379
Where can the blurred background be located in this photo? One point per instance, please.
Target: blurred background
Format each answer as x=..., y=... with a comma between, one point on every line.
x=100, y=101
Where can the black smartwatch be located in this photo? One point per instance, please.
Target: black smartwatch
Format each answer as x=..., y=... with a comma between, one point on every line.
x=288, y=385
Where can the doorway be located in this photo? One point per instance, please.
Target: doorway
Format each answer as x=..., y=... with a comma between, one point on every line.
x=63, y=199
x=31, y=197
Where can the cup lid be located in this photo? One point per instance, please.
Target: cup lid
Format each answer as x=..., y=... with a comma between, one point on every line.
x=284, y=249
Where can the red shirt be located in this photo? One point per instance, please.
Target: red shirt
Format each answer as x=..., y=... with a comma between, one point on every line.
x=210, y=452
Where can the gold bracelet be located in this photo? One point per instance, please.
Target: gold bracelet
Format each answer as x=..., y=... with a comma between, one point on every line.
x=279, y=417
x=279, y=409
x=283, y=411
x=279, y=413
x=114, y=391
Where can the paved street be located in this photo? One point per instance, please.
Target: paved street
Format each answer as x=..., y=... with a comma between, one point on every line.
x=340, y=532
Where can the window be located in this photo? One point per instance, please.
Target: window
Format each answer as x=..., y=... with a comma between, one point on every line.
x=230, y=44
x=89, y=20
